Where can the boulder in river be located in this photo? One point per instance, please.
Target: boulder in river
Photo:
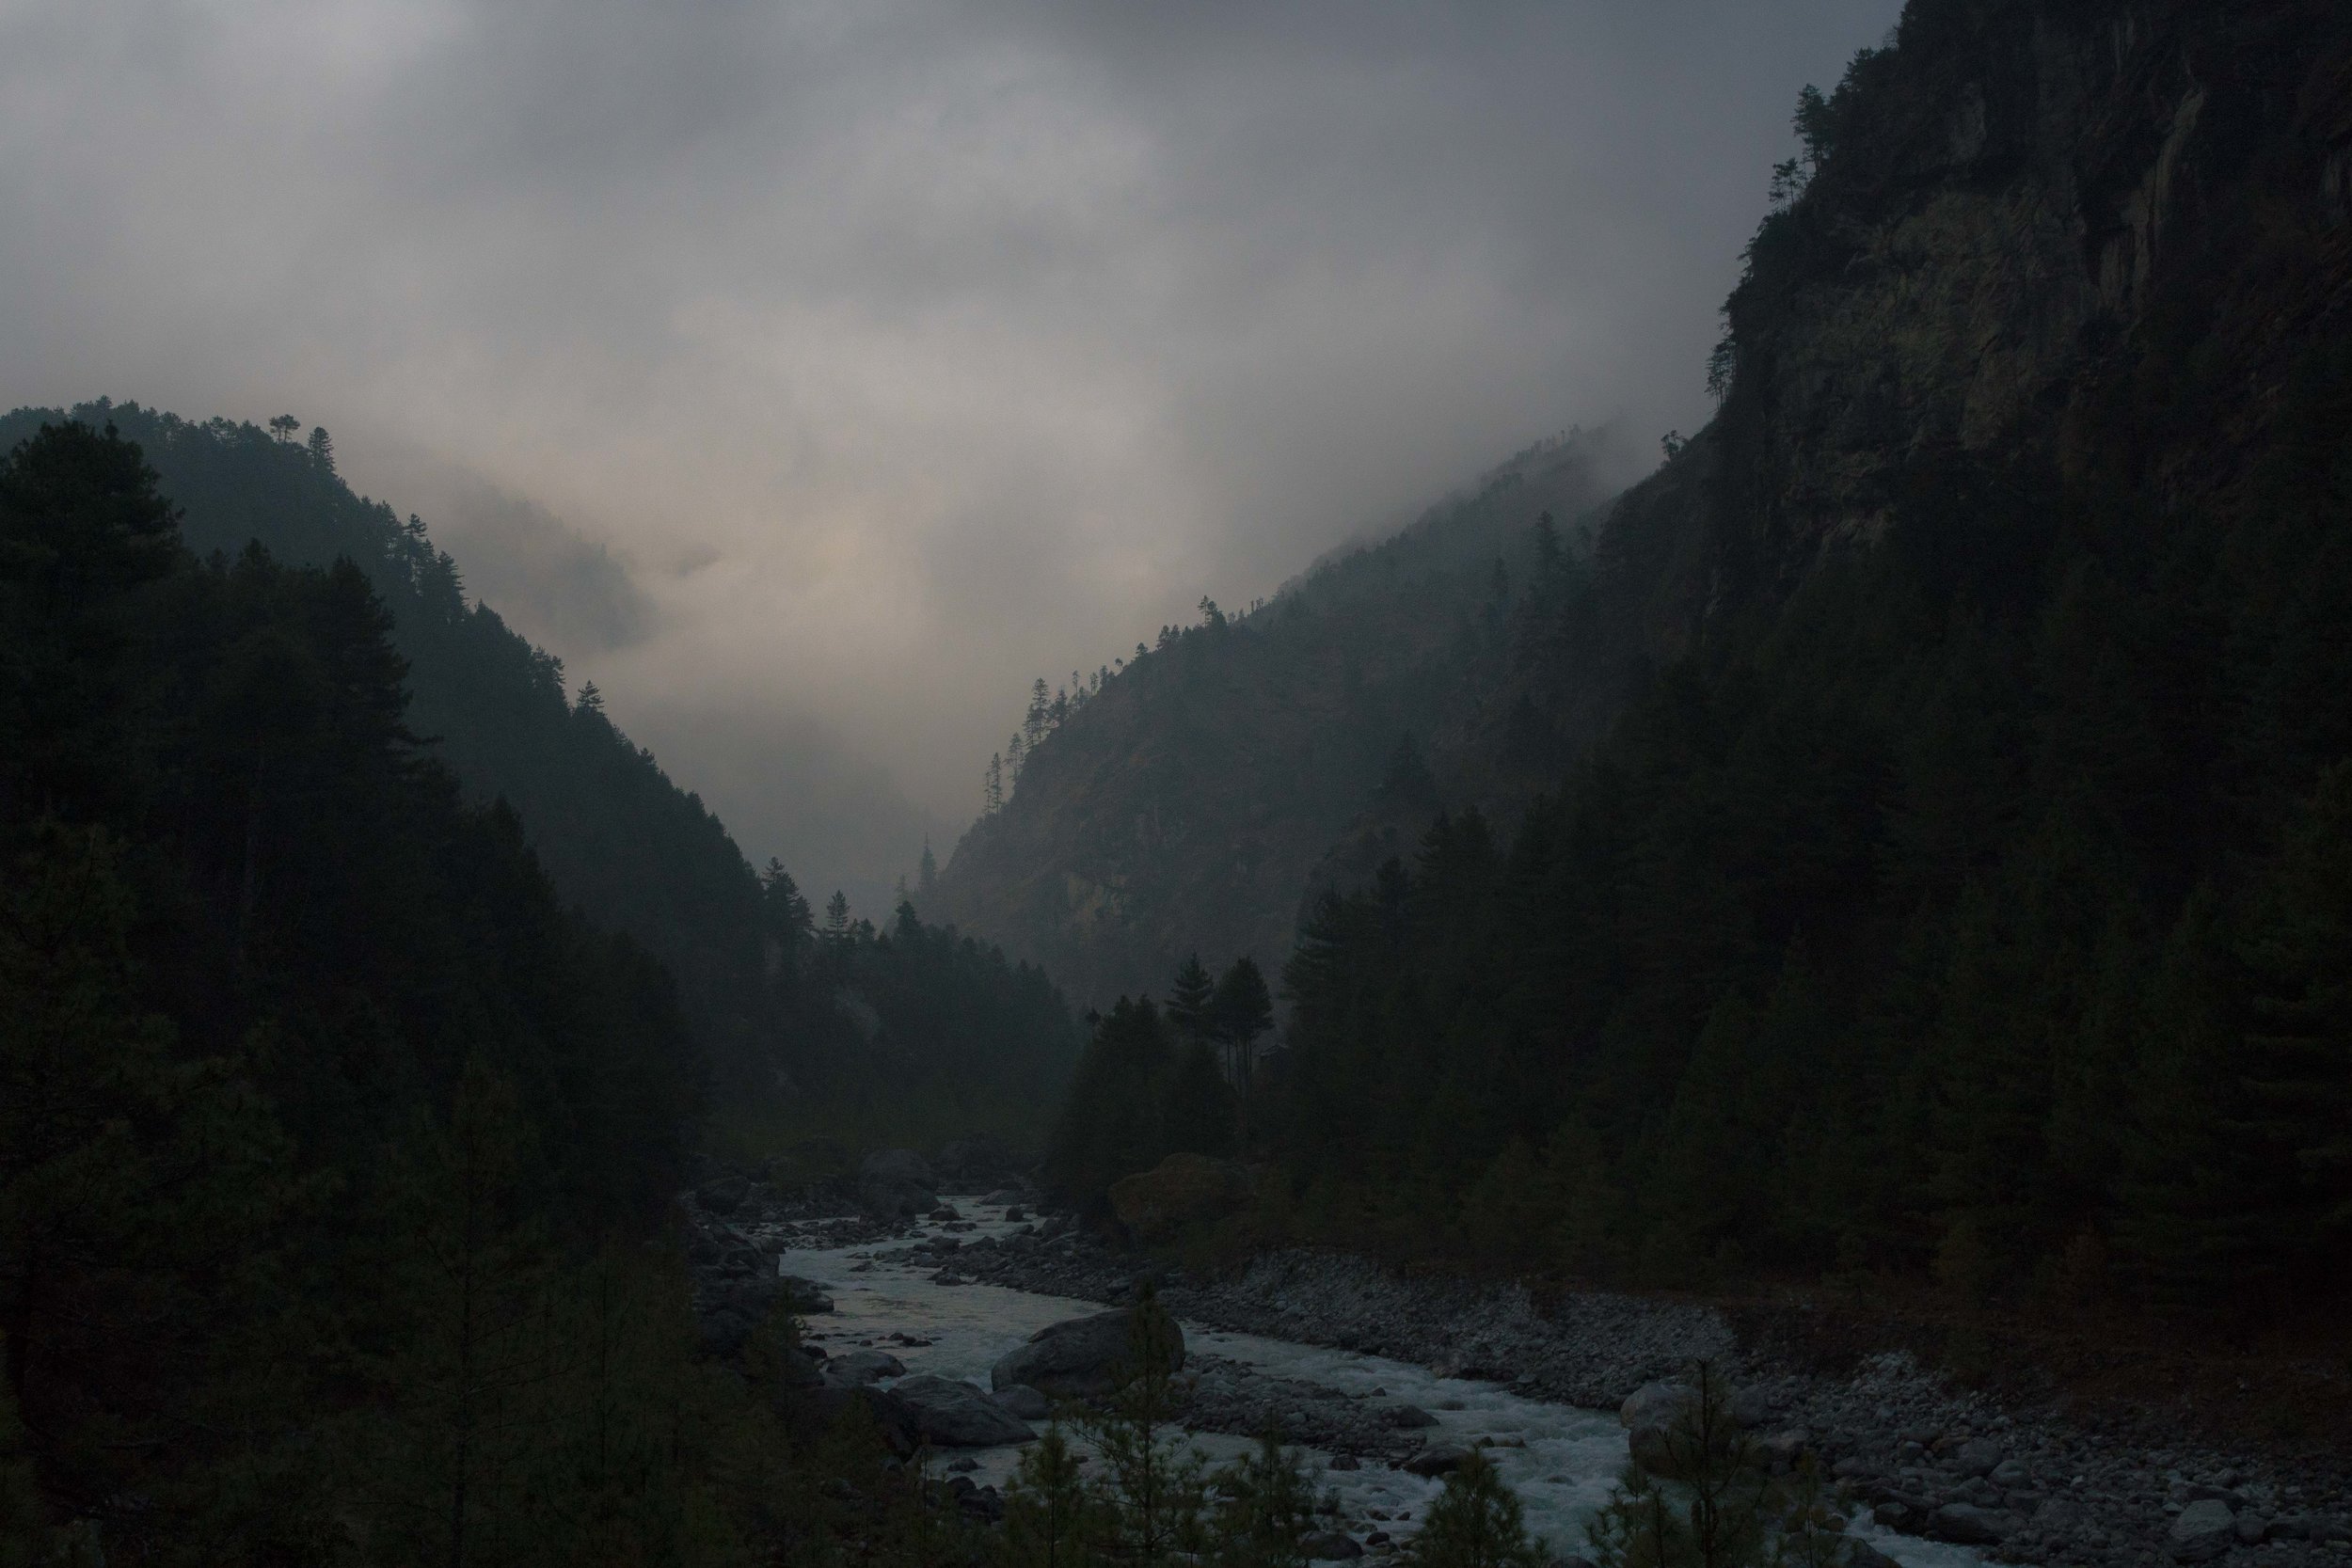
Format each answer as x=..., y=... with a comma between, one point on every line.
x=816, y=1411
x=1329, y=1546
x=894, y=1183
x=859, y=1366
x=953, y=1414
x=1436, y=1460
x=1180, y=1191
x=1078, y=1356
x=1026, y=1402
x=1651, y=1413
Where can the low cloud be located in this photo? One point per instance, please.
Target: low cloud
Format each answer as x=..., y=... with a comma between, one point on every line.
x=861, y=361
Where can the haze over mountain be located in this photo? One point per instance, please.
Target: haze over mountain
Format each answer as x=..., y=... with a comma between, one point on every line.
x=871, y=361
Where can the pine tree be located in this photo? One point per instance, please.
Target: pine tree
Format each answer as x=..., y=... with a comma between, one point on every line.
x=1242, y=1010
x=1151, y=1486
x=1476, y=1522
x=1052, y=1519
x=1190, y=1000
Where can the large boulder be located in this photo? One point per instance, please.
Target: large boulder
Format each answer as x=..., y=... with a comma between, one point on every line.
x=896, y=1183
x=2202, y=1531
x=1181, y=1190
x=1078, y=1356
x=952, y=1413
x=1026, y=1402
x=1650, y=1414
x=813, y=1412
x=1438, y=1459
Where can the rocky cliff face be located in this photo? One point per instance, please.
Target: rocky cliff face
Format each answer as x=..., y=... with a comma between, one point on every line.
x=2035, y=249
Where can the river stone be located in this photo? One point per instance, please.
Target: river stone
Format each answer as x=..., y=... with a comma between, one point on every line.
x=1026, y=1402
x=1969, y=1524
x=1078, y=1356
x=1181, y=1190
x=2203, y=1531
x=859, y=1366
x=1410, y=1417
x=1436, y=1460
x=1976, y=1458
x=1328, y=1545
x=952, y=1413
x=894, y=1183
x=818, y=1410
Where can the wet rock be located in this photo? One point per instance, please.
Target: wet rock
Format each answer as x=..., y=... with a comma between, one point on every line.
x=1751, y=1407
x=1650, y=1416
x=952, y=1413
x=1345, y=1462
x=1410, y=1417
x=860, y=1366
x=2252, y=1530
x=1078, y=1356
x=1438, y=1459
x=1181, y=1190
x=2205, y=1531
x=819, y=1409
x=1026, y=1402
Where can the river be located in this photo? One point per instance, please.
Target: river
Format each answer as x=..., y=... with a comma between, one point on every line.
x=1561, y=1460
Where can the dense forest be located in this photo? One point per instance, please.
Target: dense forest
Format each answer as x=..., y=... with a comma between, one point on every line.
x=335, y=1144
x=918, y=1036
x=1964, y=885
x=1183, y=796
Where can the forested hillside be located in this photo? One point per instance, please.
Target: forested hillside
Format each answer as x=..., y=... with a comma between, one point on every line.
x=1966, y=884
x=1184, y=800
x=864, y=1031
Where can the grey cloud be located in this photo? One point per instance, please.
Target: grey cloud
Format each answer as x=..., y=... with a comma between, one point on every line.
x=877, y=356
x=565, y=590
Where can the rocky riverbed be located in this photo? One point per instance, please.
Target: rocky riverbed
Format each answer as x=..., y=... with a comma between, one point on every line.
x=1925, y=1460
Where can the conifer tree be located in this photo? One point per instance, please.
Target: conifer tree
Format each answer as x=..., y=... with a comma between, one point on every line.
x=1190, y=1000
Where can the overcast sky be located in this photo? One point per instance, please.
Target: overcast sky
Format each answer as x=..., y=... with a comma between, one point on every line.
x=812, y=375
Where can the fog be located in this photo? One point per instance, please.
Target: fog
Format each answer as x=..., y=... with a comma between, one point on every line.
x=811, y=377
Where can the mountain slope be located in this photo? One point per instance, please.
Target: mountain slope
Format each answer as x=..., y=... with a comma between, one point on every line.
x=1964, y=883
x=1184, y=804
x=959, y=1029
